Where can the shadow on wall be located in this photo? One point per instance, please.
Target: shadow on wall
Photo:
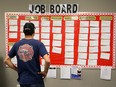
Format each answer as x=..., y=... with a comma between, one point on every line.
x=2, y=73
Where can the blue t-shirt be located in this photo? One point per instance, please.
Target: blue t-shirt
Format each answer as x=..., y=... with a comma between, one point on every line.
x=27, y=52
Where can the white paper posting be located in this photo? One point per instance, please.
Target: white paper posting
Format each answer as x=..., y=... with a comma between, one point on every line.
x=13, y=35
x=13, y=28
x=56, y=29
x=105, y=72
x=69, y=30
x=69, y=48
x=57, y=36
x=105, y=48
x=94, y=36
x=65, y=72
x=69, y=42
x=82, y=55
x=56, y=50
x=69, y=54
x=93, y=49
x=82, y=49
x=45, y=29
x=105, y=29
x=92, y=62
x=13, y=22
x=94, y=23
x=94, y=30
x=57, y=43
x=69, y=61
x=45, y=23
x=81, y=62
x=105, y=56
x=84, y=23
x=105, y=23
x=83, y=43
x=57, y=23
x=84, y=30
x=105, y=36
x=52, y=72
x=45, y=35
x=69, y=36
x=93, y=42
x=69, y=23
x=83, y=36
x=105, y=42
x=93, y=56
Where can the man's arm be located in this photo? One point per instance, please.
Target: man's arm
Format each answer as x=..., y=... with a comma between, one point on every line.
x=46, y=66
x=47, y=63
x=8, y=62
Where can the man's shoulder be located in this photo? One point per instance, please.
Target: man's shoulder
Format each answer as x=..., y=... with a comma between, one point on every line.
x=31, y=41
x=35, y=40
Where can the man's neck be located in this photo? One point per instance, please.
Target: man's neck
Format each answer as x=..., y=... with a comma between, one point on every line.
x=28, y=37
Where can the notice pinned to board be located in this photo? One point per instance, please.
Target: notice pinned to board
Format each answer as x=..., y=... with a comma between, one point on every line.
x=105, y=72
x=76, y=72
x=52, y=72
x=65, y=72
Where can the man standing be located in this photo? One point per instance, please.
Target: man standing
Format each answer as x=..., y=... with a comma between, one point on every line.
x=27, y=52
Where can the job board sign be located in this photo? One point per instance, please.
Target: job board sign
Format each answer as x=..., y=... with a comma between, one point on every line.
x=53, y=8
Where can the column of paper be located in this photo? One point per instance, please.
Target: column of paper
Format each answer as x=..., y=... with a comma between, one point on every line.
x=93, y=43
x=45, y=34
x=83, y=42
x=13, y=29
x=69, y=42
x=57, y=37
x=105, y=40
x=36, y=23
x=22, y=23
x=14, y=60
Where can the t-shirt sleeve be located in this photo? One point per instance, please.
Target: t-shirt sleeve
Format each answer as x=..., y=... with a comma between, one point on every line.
x=42, y=50
x=12, y=52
